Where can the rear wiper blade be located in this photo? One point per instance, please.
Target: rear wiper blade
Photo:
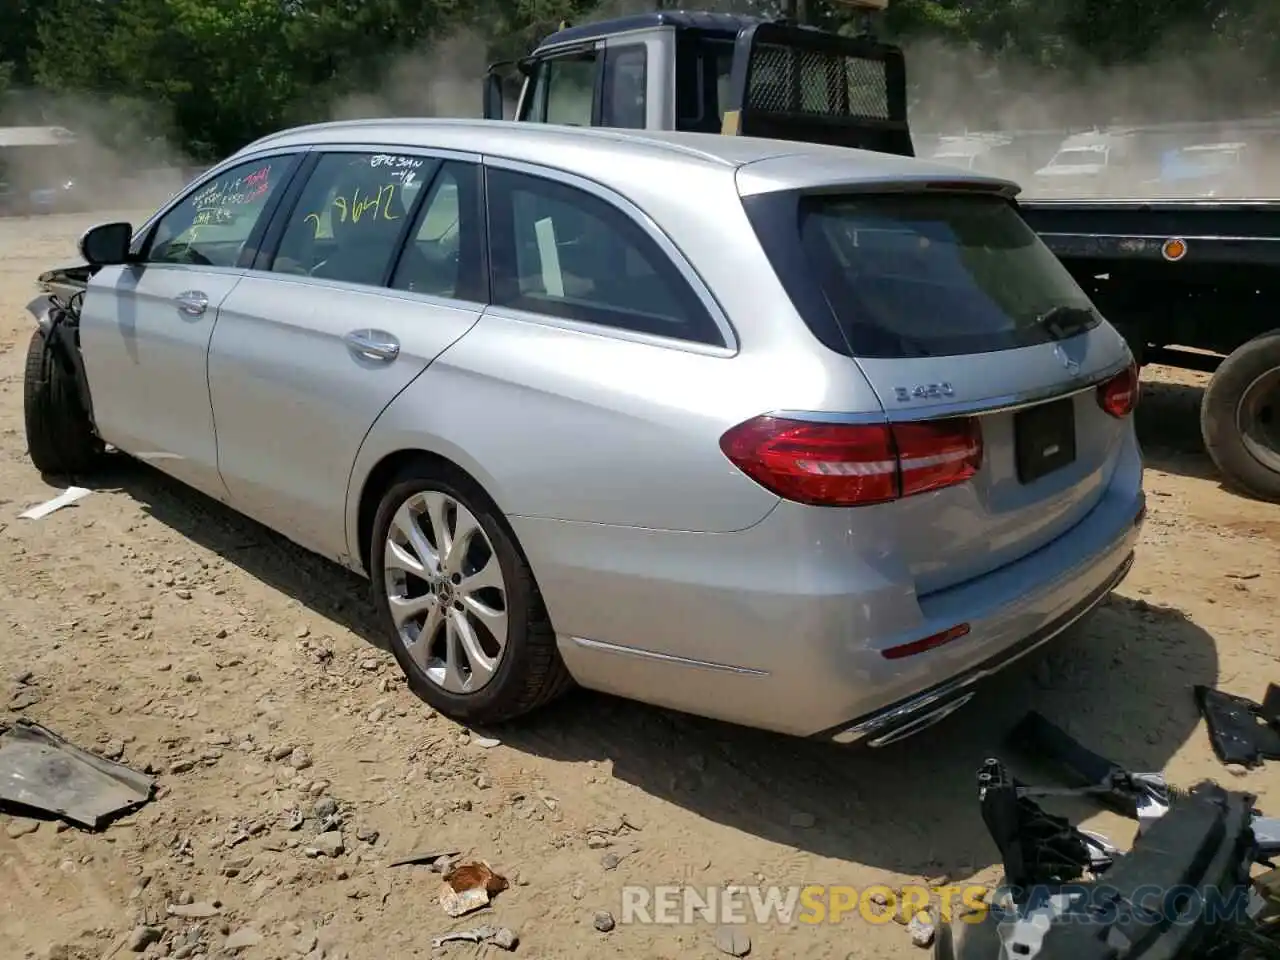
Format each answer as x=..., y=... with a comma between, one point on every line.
x=1065, y=321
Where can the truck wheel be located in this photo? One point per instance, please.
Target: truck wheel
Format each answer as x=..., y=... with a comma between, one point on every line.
x=463, y=613
x=60, y=439
x=1240, y=417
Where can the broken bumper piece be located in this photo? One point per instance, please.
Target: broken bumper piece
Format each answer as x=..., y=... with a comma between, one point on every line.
x=41, y=772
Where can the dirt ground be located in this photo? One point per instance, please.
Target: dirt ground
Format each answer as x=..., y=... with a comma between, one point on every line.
x=150, y=623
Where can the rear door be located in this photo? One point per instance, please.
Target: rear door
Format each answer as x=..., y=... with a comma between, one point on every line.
x=950, y=305
x=378, y=270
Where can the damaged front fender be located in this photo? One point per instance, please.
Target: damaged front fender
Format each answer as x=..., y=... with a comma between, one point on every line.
x=42, y=308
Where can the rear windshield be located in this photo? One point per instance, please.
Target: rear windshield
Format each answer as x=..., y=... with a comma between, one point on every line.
x=919, y=275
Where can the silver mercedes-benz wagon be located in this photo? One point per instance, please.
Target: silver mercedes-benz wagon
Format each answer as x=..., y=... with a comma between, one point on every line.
x=798, y=437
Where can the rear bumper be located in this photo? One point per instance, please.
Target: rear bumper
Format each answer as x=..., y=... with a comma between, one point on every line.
x=921, y=711
x=781, y=626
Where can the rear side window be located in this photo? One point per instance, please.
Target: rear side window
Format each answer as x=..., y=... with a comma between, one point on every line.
x=920, y=275
x=562, y=252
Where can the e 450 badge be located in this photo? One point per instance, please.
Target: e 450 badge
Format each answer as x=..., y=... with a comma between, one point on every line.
x=924, y=391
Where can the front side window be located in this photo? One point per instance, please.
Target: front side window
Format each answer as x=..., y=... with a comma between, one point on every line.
x=213, y=224
x=920, y=275
x=349, y=218
x=563, y=252
x=563, y=90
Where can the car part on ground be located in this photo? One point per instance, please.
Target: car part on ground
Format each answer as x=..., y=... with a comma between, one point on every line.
x=1143, y=796
x=1241, y=731
x=40, y=771
x=1194, y=854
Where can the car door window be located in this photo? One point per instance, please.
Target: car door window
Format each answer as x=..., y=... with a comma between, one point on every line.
x=560, y=251
x=563, y=90
x=213, y=225
x=350, y=216
x=625, y=76
x=443, y=257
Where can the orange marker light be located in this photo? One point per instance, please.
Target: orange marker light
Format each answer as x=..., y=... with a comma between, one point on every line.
x=1174, y=249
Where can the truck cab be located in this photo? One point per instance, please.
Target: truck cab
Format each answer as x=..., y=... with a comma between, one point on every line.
x=715, y=73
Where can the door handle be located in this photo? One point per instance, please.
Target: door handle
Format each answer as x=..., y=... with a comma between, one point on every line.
x=373, y=345
x=192, y=302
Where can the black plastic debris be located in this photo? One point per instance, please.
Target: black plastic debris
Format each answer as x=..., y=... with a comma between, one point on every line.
x=1143, y=796
x=1241, y=731
x=39, y=771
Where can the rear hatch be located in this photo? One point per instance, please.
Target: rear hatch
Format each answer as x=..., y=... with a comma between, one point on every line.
x=952, y=307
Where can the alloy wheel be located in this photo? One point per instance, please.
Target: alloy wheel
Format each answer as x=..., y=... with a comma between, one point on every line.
x=446, y=591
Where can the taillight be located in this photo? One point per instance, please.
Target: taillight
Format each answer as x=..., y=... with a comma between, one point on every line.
x=847, y=465
x=1119, y=395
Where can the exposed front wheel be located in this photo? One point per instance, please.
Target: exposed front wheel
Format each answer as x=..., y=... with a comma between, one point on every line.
x=60, y=438
x=1240, y=417
x=466, y=622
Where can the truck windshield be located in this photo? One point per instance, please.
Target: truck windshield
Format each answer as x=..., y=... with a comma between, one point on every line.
x=937, y=275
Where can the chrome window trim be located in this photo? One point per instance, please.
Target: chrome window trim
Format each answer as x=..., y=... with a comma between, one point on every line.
x=347, y=286
x=729, y=338
x=608, y=332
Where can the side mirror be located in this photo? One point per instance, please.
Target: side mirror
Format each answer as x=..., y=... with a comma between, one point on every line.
x=107, y=244
x=492, y=97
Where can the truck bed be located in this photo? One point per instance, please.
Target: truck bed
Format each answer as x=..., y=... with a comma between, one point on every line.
x=1218, y=293
x=1234, y=232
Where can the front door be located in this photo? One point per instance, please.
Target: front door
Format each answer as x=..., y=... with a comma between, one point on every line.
x=379, y=269
x=145, y=327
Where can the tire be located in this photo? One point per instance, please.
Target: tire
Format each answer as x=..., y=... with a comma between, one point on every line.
x=60, y=439
x=1220, y=409
x=529, y=672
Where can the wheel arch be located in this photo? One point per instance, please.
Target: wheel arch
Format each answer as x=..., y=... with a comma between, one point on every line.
x=378, y=477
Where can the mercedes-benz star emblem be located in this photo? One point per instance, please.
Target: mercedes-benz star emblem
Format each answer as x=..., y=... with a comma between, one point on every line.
x=1072, y=364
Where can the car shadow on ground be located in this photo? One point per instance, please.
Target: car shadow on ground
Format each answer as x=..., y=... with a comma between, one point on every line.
x=318, y=584
x=1120, y=682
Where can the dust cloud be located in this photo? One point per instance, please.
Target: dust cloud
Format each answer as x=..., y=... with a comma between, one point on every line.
x=105, y=154
x=444, y=80
x=1184, y=124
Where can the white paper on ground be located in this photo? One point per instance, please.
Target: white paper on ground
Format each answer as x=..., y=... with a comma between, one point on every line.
x=65, y=498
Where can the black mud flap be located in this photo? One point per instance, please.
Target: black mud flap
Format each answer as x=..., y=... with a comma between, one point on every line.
x=797, y=83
